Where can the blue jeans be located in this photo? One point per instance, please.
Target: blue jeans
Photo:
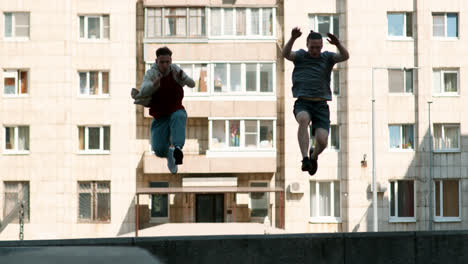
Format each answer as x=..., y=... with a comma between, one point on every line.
x=167, y=130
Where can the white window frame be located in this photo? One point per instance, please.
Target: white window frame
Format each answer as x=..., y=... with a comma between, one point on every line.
x=404, y=37
x=398, y=219
x=400, y=149
x=325, y=219
x=94, y=206
x=405, y=88
x=101, y=27
x=101, y=140
x=15, y=74
x=248, y=20
x=100, y=82
x=442, y=81
x=160, y=219
x=445, y=25
x=314, y=27
x=259, y=219
x=240, y=151
x=441, y=202
x=16, y=131
x=443, y=125
x=13, y=25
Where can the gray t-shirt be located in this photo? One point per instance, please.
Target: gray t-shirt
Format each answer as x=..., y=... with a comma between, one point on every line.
x=311, y=76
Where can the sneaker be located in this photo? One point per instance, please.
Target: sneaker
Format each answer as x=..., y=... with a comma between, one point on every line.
x=178, y=155
x=313, y=163
x=171, y=163
x=306, y=165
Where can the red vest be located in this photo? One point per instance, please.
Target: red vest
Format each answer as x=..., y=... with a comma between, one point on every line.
x=167, y=99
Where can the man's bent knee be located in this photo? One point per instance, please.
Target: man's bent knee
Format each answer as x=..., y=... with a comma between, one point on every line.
x=160, y=152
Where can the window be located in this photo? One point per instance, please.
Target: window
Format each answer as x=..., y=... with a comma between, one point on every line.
x=445, y=25
x=94, y=83
x=243, y=77
x=335, y=82
x=402, y=200
x=175, y=22
x=94, y=201
x=325, y=23
x=400, y=81
x=15, y=194
x=400, y=25
x=242, y=21
x=159, y=202
x=245, y=134
x=445, y=82
x=401, y=136
x=94, y=27
x=446, y=137
x=447, y=199
x=333, y=137
x=259, y=201
x=199, y=73
x=325, y=203
x=15, y=82
x=94, y=139
x=16, y=139
x=17, y=25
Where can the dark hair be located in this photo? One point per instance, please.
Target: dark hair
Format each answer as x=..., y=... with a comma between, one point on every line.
x=314, y=35
x=163, y=51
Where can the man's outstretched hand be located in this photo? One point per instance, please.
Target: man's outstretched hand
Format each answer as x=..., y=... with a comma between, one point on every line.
x=296, y=33
x=333, y=39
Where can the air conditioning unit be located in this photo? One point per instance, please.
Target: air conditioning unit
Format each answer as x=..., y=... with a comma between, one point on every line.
x=296, y=187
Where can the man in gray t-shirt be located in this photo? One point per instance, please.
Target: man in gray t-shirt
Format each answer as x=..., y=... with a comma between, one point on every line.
x=311, y=85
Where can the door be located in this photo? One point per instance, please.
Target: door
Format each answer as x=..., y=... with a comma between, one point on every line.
x=210, y=208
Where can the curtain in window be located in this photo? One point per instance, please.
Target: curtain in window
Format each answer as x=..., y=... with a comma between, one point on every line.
x=405, y=199
x=85, y=201
x=438, y=25
x=438, y=142
x=267, y=23
x=228, y=21
x=254, y=21
x=24, y=82
x=450, y=82
x=93, y=83
x=23, y=138
x=235, y=74
x=451, y=137
x=324, y=199
x=216, y=21
x=408, y=136
x=395, y=137
x=94, y=28
x=22, y=24
x=241, y=22
x=395, y=81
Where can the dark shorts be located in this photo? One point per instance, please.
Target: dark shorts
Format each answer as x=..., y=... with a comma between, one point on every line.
x=318, y=111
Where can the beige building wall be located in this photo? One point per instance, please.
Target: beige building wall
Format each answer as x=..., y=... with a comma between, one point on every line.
x=53, y=55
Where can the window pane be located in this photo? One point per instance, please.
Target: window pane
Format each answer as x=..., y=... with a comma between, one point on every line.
x=251, y=77
x=159, y=202
x=266, y=77
x=336, y=82
x=234, y=133
x=216, y=21
x=450, y=82
x=106, y=138
x=235, y=77
x=266, y=133
x=324, y=199
x=267, y=23
x=241, y=22
x=228, y=21
x=10, y=138
x=337, y=199
x=451, y=137
x=83, y=86
x=188, y=69
x=405, y=199
x=395, y=81
x=408, y=136
x=395, y=24
x=395, y=137
x=436, y=82
x=312, y=22
x=438, y=142
x=82, y=27
x=106, y=26
x=452, y=25
x=176, y=22
x=9, y=86
x=197, y=21
x=8, y=25
x=93, y=138
x=200, y=76
x=94, y=28
x=22, y=24
x=334, y=137
x=181, y=26
x=105, y=82
x=255, y=21
x=451, y=202
x=81, y=143
x=409, y=81
x=103, y=206
x=323, y=25
x=219, y=134
x=93, y=83
x=336, y=26
x=23, y=138
x=409, y=24
x=85, y=206
x=392, y=199
x=438, y=25
x=259, y=201
x=437, y=198
x=220, y=77
x=251, y=133
x=23, y=82
x=313, y=200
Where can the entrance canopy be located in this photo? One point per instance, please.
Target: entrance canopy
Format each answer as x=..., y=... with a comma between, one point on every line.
x=209, y=189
